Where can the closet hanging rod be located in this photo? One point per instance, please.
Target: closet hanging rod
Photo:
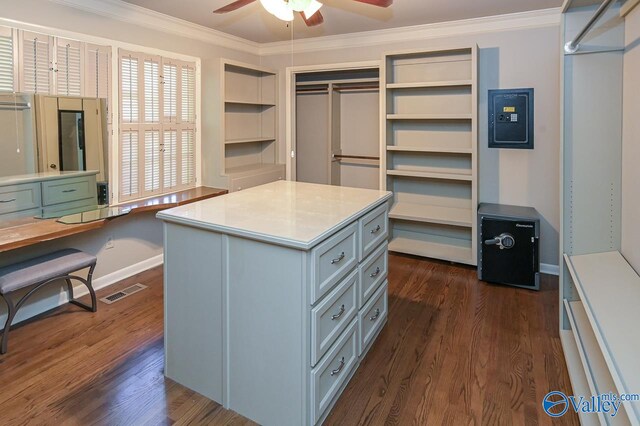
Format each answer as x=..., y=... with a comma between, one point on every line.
x=317, y=91
x=355, y=88
x=574, y=45
x=355, y=157
x=8, y=106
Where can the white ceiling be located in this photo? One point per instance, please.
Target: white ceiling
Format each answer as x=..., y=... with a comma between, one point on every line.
x=252, y=22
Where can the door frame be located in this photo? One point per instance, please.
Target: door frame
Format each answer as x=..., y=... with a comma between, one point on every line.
x=290, y=102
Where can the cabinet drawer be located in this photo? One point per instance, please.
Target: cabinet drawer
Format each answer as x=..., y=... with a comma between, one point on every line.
x=372, y=318
x=16, y=198
x=66, y=190
x=332, y=315
x=64, y=209
x=373, y=271
x=331, y=374
x=246, y=182
x=332, y=259
x=373, y=230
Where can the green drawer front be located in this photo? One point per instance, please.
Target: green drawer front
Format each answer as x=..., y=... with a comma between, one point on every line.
x=67, y=190
x=17, y=198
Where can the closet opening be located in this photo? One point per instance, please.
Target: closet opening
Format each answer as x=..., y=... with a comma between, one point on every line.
x=335, y=129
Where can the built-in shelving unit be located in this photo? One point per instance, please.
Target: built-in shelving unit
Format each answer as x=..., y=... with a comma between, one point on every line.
x=429, y=152
x=249, y=131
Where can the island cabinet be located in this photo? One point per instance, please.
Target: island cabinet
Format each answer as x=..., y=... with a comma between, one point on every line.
x=274, y=295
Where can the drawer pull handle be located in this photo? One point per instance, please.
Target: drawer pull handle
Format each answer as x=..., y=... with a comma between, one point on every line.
x=376, y=230
x=339, y=369
x=8, y=201
x=376, y=273
x=376, y=316
x=66, y=191
x=339, y=314
x=338, y=259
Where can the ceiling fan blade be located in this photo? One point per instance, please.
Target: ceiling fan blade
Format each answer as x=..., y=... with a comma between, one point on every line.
x=379, y=3
x=233, y=6
x=316, y=19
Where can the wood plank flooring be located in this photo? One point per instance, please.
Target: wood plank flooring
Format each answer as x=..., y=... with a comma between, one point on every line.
x=454, y=351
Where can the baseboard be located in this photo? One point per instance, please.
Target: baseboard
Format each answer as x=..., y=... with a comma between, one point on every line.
x=547, y=268
x=121, y=274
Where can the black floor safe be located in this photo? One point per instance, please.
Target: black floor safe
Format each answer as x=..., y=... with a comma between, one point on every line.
x=508, y=245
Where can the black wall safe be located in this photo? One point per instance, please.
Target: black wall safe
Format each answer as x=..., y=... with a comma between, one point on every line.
x=511, y=118
x=508, y=245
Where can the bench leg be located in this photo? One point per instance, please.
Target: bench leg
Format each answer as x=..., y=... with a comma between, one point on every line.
x=89, y=284
x=11, y=313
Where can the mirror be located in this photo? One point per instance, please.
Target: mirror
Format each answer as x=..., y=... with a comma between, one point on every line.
x=53, y=156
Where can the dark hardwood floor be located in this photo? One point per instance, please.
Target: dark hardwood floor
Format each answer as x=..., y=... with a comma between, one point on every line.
x=454, y=351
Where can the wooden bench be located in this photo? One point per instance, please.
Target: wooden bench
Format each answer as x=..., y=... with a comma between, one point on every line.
x=39, y=272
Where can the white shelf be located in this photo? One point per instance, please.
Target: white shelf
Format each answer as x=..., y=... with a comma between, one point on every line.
x=254, y=103
x=429, y=117
x=431, y=175
x=248, y=140
x=428, y=84
x=252, y=169
x=443, y=150
x=442, y=251
x=432, y=214
x=609, y=289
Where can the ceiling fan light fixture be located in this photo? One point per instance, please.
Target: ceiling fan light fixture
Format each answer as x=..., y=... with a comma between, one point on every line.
x=278, y=8
x=312, y=8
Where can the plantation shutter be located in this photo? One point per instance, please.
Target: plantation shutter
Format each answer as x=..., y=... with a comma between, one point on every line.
x=129, y=170
x=7, y=66
x=98, y=74
x=158, y=103
x=36, y=56
x=68, y=69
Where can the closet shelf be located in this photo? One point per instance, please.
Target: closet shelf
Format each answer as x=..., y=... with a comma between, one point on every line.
x=429, y=117
x=432, y=214
x=441, y=251
x=443, y=150
x=609, y=289
x=249, y=140
x=254, y=103
x=427, y=84
x=430, y=175
x=252, y=169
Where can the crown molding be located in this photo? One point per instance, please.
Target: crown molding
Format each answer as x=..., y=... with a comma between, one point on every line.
x=126, y=12
x=512, y=21
x=133, y=14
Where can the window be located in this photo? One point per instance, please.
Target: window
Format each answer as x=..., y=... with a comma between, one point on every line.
x=157, y=125
x=68, y=69
x=7, y=62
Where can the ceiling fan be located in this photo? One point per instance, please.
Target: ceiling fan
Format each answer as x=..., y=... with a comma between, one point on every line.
x=283, y=9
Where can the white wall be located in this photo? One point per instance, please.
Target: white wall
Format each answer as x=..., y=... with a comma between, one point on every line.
x=631, y=142
x=508, y=59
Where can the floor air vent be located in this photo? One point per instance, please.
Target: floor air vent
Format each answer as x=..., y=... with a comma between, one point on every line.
x=112, y=298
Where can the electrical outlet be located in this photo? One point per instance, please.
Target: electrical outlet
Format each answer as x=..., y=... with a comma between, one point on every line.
x=109, y=244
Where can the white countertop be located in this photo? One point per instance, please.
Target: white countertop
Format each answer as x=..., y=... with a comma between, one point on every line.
x=293, y=214
x=43, y=176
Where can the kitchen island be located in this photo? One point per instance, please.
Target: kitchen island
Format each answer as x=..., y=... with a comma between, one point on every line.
x=273, y=296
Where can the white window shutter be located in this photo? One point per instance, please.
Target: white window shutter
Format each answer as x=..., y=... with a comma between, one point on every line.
x=188, y=100
x=7, y=65
x=170, y=159
x=68, y=67
x=129, y=160
x=188, y=157
x=129, y=93
x=151, y=161
x=151, y=91
x=36, y=57
x=170, y=84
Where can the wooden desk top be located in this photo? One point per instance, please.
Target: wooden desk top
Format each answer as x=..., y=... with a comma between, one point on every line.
x=30, y=231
